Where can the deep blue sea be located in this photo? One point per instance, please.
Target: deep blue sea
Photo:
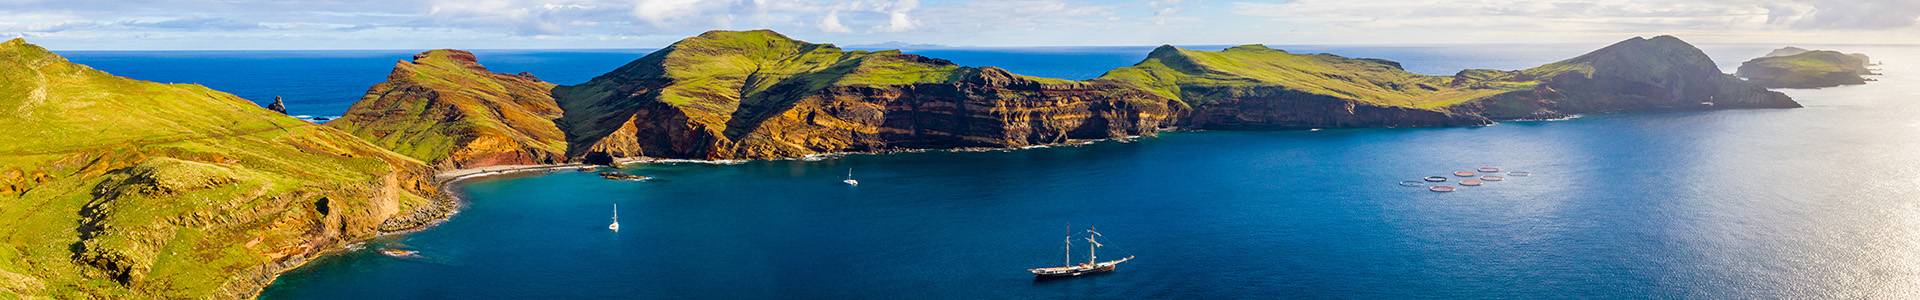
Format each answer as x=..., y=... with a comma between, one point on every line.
x=1819, y=202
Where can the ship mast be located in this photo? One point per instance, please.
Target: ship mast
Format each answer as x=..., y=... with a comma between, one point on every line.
x=1092, y=259
x=1069, y=259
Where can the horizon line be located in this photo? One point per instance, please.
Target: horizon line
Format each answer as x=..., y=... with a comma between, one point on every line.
x=949, y=47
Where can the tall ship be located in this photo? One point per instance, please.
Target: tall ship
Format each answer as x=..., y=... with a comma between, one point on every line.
x=1092, y=266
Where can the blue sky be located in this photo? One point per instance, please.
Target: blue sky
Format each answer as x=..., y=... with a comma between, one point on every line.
x=502, y=24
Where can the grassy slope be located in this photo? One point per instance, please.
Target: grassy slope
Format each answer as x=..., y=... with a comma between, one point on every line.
x=123, y=188
x=1168, y=70
x=720, y=76
x=1820, y=61
x=470, y=111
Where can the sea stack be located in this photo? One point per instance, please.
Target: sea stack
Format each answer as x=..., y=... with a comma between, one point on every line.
x=278, y=105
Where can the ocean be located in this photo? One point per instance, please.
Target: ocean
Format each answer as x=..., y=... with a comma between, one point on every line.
x=1815, y=202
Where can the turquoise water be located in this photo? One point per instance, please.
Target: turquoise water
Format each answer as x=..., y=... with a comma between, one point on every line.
x=1804, y=203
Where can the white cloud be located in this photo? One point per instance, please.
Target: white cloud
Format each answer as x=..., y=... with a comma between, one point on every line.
x=664, y=13
x=898, y=19
x=1162, y=9
x=831, y=23
x=645, y=23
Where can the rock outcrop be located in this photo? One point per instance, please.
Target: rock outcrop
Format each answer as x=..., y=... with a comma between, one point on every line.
x=278, y=105
x=1796, y=68
x=446, y=109
x=1638, y=74
x=758, y=94
x=119, y=188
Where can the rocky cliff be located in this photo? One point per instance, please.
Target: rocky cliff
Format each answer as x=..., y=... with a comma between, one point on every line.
x=118, y=188
x=758, y=94
x=1796, y=68
x=448, y=110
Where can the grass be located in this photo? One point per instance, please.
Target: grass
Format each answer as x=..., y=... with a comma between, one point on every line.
x=721, y=76
x=469, y=113
x=119, y=188
x=1175, y=73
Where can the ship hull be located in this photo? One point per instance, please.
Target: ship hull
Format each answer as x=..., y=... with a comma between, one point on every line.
x=1071, y=273
x=1075, y=271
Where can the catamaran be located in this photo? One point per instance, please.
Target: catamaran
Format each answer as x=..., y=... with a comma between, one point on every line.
x=615, y=227
x=850, y=180
x=1093, y=264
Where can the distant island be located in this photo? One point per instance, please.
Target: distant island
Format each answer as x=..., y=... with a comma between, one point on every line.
x=1797, y=68
x=149, y=190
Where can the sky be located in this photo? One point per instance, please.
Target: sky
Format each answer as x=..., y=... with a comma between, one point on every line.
x=576, y=24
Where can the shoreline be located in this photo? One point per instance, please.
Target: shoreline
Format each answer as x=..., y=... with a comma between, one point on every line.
x=448, y=181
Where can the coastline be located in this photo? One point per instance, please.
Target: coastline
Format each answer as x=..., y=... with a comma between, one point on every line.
x=446, y=205
x=451, y=201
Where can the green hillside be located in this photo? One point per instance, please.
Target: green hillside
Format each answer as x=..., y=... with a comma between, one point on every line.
x=446, y=109
x=1806, y=69
x=119, y=188
x=1175, y=73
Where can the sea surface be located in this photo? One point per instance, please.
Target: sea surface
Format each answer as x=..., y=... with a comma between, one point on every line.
x=1818, y=202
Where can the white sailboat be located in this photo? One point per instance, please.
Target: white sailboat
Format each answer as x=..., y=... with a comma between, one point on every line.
x=850, y=180
x=615, y=227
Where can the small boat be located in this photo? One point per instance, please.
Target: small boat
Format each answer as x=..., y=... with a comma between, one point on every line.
x=1493, y=178
x=1489, y=169
x=615, y=227
x=1470, y=182
x=1411, y=183
x=1092, y=266
x=1435, y=179
x=850, y=180
x=1463, y=173
x=615, y=175
x=402, y=253
x=1441, y=188
x=1313, y=130
x=1520, y=174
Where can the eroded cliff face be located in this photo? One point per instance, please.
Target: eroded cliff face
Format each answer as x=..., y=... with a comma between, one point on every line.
x=756, y=94
x=983, y=108
x=448, y=110
x=1279, y=108
x=717, y=97
x=119, y=188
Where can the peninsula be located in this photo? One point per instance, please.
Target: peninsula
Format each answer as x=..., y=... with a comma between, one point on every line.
x=119, y=188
